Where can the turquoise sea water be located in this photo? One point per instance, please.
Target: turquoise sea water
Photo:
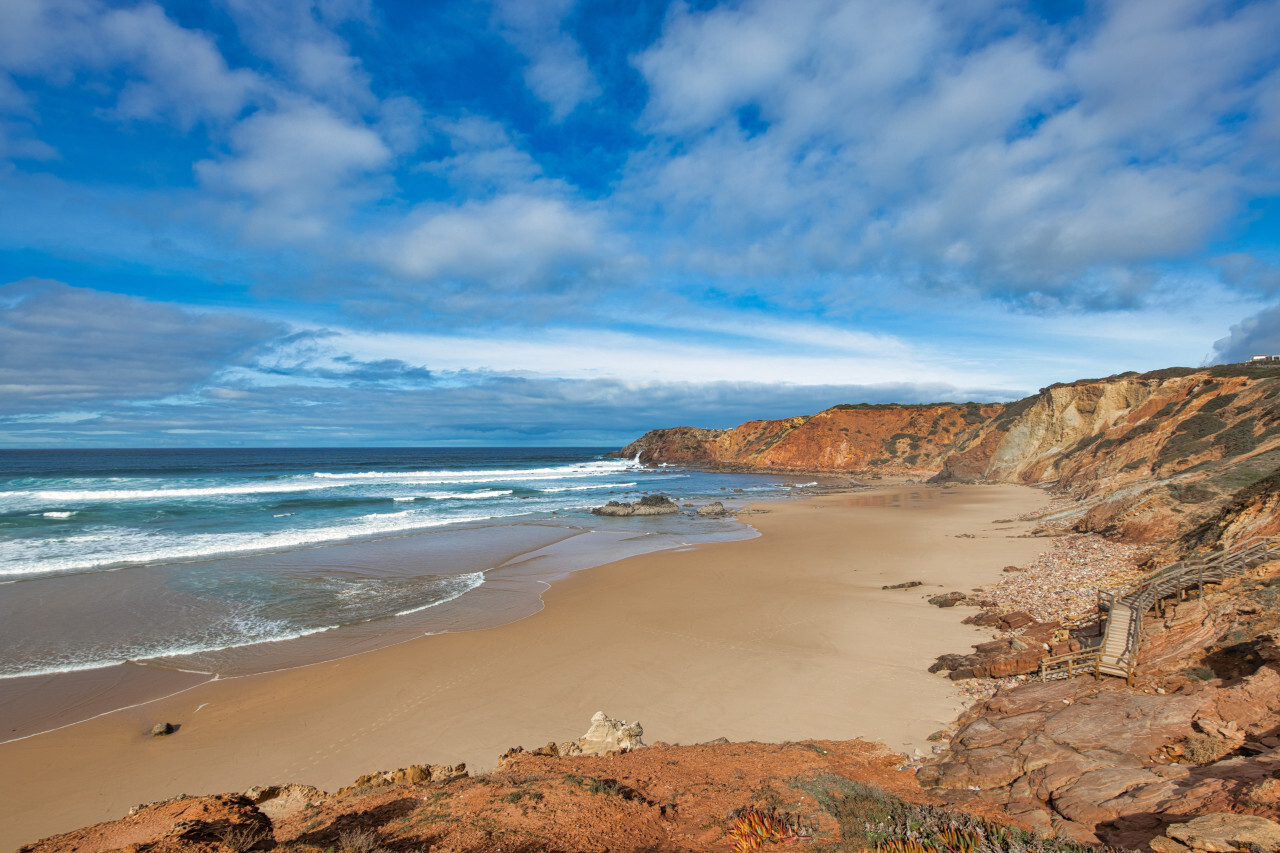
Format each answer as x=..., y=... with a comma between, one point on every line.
x=108, y=556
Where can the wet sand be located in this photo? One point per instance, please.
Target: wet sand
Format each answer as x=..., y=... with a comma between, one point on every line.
x=783, y=637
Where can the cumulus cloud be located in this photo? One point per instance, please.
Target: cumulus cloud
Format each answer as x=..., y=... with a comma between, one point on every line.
x=557, y=72
x=299, y=166
x=180, y=71
x=1255, y=335
x=907, y=138
x=66, y=348
x=171, y=71
x=298, y=37
x=510, y=242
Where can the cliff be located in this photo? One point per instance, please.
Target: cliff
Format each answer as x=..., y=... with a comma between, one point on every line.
x=709, y=798
x=1150, y=457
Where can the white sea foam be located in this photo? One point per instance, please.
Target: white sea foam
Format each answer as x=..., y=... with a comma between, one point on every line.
x=585, y=469
x=468, y=582
x=252, y=637
x=103, y=547
x=592, y=487
x=237, y=631
x=145, y=490
x=124, y=494
x=57, y=514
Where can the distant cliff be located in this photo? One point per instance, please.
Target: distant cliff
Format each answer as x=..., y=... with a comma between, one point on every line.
x=1152, y=456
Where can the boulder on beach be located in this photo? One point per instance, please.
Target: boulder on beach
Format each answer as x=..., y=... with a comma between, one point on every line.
x=712, y=509
x=605, y=735
x=656, y=504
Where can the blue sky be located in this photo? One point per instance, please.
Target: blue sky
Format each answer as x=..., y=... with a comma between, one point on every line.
x=554, y=222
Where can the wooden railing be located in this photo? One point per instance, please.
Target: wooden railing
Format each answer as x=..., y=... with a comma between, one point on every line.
x=1110, y=656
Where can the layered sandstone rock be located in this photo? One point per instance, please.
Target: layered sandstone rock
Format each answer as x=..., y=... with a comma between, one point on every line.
x=1227, y=833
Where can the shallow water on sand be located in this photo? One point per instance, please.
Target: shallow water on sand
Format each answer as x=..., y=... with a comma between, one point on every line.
x=235, y=561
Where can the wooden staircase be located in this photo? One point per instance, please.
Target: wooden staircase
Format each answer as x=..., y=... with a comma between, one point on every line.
x=1117, y=653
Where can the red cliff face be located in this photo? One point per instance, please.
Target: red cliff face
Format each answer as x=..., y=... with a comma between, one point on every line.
x=1151, y=457
x=860, y=439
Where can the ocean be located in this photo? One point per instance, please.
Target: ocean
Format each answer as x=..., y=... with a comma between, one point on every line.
x=204, y=559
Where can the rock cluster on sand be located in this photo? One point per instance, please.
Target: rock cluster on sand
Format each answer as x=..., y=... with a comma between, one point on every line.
x=605, y=735
x=411, y=775
x=712, y=509
x=647, y=505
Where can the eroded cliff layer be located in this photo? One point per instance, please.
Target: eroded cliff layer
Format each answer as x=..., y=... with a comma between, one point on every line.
x=1151, y=456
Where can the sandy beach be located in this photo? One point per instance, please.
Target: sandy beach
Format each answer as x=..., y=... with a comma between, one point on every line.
x=783, y=637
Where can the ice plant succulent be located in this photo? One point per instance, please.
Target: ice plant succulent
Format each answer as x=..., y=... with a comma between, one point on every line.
x=753, y=827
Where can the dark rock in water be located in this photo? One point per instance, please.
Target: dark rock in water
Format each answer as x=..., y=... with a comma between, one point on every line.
x=906, y=585
x=948, y=599
x=712, y=509
x=656, y=504
x=161, y=729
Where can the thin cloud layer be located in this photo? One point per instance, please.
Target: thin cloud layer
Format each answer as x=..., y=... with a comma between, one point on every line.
x=68, y=348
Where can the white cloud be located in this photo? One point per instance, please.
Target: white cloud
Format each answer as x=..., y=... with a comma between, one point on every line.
x=182, y=71
x=298, y=37
x=557, y=73
x=510, y=242
x=170, y=70
x=484, y=156
x=769, y=357
x=300, y=166
x=815, y=135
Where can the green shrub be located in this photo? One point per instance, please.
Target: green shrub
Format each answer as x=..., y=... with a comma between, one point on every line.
x=1169, y=373
x=1190, y=437
x=872, y=818
x=1218, y=403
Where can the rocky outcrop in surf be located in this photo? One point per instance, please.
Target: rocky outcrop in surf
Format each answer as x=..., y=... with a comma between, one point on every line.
x=647, y=505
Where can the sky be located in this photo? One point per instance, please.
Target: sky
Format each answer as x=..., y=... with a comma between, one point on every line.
x=548, y=222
